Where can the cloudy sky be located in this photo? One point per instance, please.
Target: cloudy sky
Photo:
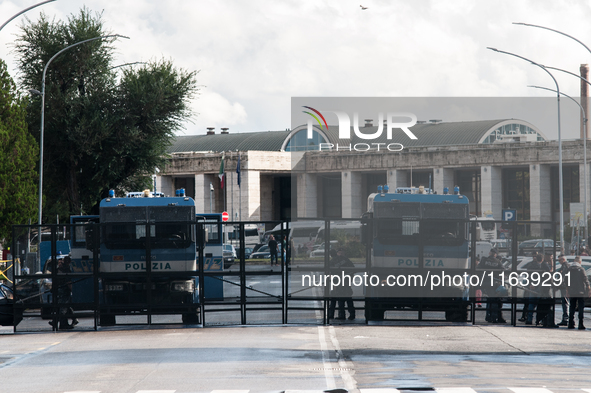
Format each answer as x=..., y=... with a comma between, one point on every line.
x=253, y=56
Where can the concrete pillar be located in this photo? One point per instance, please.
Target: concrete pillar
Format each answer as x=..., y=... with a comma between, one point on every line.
x=540, y=193
x=540, y=197
x=397, y=178
x=443, y=177
x=165, y=184
x=201, y=195
x=307, y=198
x=267, y=198
x=351, y=195
x=491, y=180
x=250, y=196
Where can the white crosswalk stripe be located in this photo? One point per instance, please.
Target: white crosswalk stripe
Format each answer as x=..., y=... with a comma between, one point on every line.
x=158, y=391
x=371, y=390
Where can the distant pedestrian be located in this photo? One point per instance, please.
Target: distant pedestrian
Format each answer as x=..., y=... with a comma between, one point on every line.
x=564, y=266
x=273, y=250
x=342, y=293
x=578, y=290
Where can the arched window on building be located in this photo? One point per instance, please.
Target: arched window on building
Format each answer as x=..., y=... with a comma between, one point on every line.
x=300, y=142
x=510, y=131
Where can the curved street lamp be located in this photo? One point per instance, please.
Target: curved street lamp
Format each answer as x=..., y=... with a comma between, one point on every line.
x=42, y=94
x=23, y=11
x=584, y=143
x=560, y=186
x=585, y=136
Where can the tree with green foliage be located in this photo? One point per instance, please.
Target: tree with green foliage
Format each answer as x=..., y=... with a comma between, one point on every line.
x=106, y=127
x=18, y=160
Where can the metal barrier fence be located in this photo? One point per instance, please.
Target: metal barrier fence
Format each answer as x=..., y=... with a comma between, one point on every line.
x=172, y=273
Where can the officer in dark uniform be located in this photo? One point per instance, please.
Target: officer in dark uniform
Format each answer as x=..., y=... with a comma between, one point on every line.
x=341, y=293
x=578, y=290
x=490, y=288
x=64, y=296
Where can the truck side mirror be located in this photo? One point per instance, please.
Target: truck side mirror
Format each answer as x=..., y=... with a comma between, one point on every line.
x=89, y=234
x=364, y=233
x=201, y=235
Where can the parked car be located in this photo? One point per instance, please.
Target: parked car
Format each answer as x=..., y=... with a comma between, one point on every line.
x=503, y=246
x=7, y=310
x=264, y=253
x=229, y=254
x=247, y=252
x=527, y=247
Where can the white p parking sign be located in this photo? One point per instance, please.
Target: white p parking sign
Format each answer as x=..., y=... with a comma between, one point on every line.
x=509, y=215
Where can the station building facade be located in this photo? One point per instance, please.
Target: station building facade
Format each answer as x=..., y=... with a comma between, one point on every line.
x=498, y=164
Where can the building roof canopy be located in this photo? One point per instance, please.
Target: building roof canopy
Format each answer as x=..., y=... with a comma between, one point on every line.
x=428, y=134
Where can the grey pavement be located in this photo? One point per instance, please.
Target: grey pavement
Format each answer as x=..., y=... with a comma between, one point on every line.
x=376, y=358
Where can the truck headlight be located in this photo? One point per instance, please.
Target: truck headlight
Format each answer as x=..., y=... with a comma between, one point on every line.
x=183, y=286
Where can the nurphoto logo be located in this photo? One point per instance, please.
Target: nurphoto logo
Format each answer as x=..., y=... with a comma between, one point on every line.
x=345, y=129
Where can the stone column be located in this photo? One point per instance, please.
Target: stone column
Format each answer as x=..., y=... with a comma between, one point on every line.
x=396, y=178
x=307, y=198
x=165, y=184
x=201, y=194
x=352, y=200
x=251, y=195
x=443, y=177
x=491, y=180
x=540, y=197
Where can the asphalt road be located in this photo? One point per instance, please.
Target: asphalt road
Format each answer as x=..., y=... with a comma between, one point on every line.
x=357, y=358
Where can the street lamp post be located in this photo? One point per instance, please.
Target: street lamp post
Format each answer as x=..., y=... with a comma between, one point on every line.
x=560, y=186
x=23, y=11
x=584, y=145
x=585, y=136
x=42, y=94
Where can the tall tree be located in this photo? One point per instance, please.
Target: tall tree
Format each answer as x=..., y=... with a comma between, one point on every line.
x=18, y=160
x=105, y=127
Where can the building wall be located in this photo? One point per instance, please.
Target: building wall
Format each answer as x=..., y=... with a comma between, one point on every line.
x=257, y=193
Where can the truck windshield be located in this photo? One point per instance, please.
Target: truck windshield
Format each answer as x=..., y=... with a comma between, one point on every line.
x=404, y=222
x=126, y=227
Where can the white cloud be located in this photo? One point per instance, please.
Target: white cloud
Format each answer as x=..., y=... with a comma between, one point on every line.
x=253, y=56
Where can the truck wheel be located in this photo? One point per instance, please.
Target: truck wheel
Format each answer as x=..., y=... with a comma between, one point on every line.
x=458, y=315
x=190, y=319
x=106, y=320
x=373, y=313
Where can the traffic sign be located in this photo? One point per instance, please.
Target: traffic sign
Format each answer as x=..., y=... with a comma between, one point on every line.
x=509, y=215
x=225, y=216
